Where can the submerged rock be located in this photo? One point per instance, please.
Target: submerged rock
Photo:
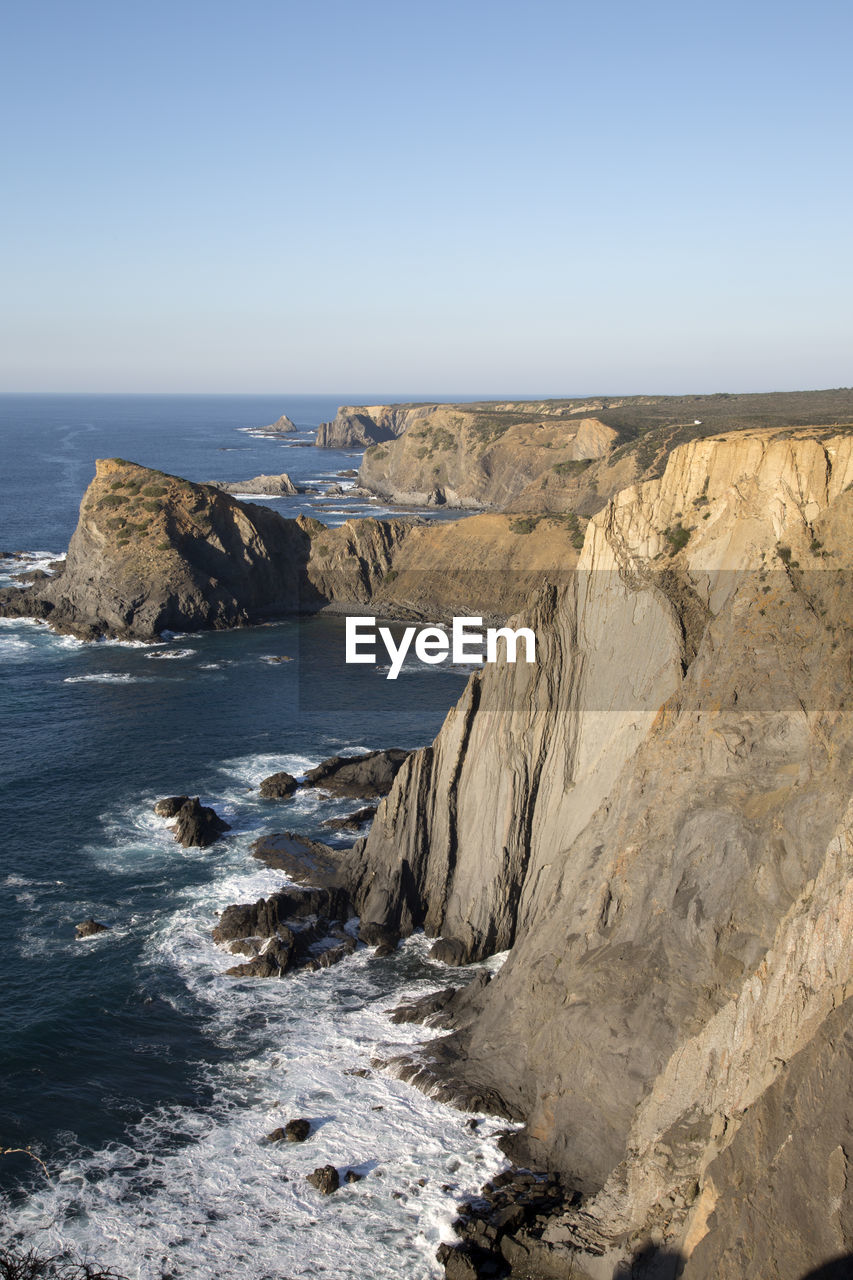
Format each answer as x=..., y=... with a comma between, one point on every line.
x=90, y=927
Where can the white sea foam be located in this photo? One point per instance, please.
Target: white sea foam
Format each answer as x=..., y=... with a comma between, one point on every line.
x=165, y=654
x=197, y=1192
x=129, y=644
x=200, y=1193
x=251, y=770
x=11, y=646
x=109, y=677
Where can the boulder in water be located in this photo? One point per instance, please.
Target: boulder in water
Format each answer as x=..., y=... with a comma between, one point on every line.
x=89, y=928
x=198, y=825
x=278, y=786
x=371, y=774
x=325, y=1179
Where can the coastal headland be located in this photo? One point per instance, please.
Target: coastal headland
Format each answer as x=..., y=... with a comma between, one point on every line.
x=655, y=819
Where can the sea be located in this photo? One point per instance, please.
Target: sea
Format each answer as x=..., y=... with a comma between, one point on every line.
x=137, y=1081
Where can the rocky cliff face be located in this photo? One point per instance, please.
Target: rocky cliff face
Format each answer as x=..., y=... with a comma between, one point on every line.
x=152, y=552
x=564, y=455
x=480, y=458
x=656, y=820
x=356, y=427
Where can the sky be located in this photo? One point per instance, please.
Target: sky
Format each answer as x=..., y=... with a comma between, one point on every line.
x=477, y=197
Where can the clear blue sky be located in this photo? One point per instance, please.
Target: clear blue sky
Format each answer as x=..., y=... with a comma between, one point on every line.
x=479, y=196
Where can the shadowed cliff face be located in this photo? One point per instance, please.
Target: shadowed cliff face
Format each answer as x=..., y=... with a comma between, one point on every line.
x=656, y=820
x=152, y=552
x=368, y=425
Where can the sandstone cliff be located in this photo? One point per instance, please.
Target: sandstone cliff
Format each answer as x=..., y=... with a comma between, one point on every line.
x=565, y=455
x=355, y=427
x=656, y=821
x=478, y=458
x=152, y=552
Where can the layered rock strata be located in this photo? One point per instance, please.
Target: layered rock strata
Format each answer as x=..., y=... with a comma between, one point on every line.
x=656, y=821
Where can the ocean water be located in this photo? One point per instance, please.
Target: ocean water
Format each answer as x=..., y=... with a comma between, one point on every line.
x=141, y=1076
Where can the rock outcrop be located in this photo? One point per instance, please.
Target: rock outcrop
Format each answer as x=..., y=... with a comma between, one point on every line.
x=656, y=821
x=361, y=776
x=278, y=786
x=325, y=1179
x=356, y=427
x=197, y=825
x=153, y=553
x=282, y=425
x=280, y=486
x=293, y=929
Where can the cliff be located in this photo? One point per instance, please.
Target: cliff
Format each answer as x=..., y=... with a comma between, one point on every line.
x=356, y=427
x=566, y=455
x=656, y=820
x=152, y=552
x=478, y=458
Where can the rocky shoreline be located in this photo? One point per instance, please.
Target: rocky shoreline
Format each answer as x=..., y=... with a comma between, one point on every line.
x=655, y=821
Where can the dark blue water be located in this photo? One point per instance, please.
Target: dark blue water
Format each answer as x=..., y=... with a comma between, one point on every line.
x=49, y=443
x=140, y=1074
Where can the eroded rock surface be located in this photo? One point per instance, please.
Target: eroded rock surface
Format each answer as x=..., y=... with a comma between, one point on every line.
x=196, y=824
x=655, y=820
